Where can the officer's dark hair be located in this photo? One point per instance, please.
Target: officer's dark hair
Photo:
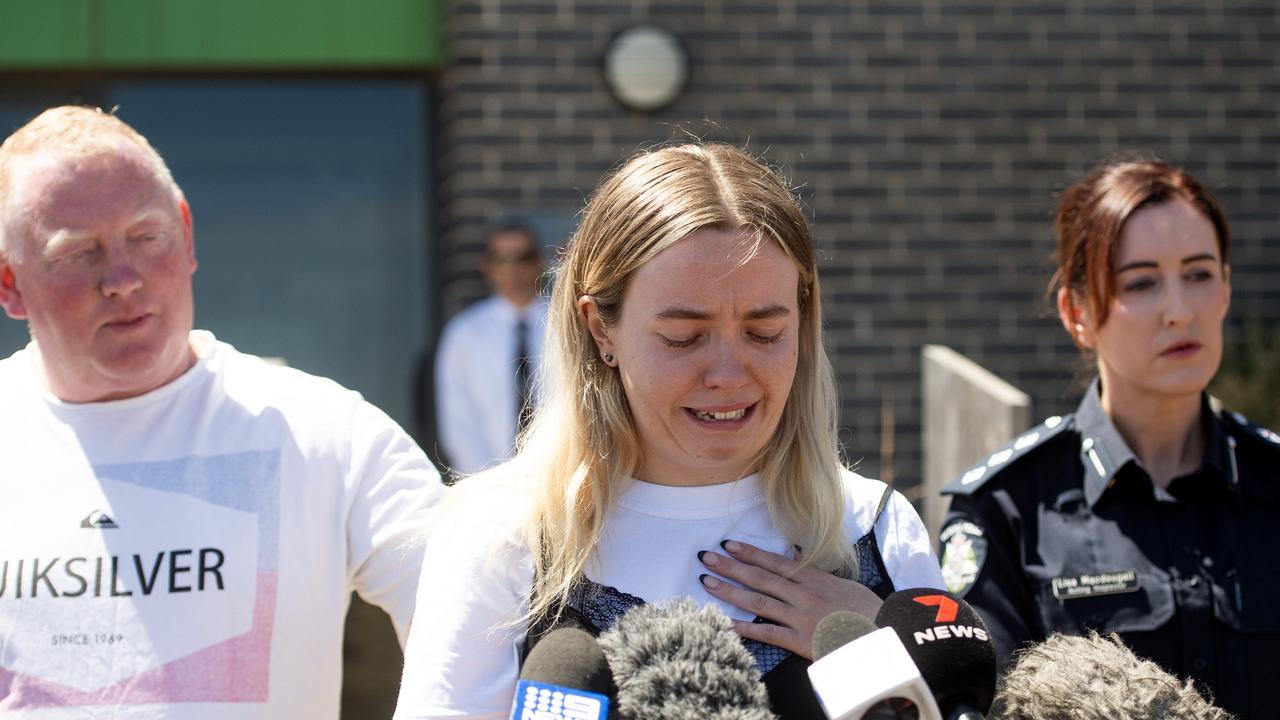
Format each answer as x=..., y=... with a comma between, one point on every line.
x=1095, y=678
x=1092, y=214
x=512, y=228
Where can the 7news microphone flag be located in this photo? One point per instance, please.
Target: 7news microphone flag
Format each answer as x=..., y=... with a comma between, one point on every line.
x=949, y=643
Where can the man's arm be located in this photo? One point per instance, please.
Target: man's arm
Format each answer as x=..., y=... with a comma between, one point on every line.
x=392, y=490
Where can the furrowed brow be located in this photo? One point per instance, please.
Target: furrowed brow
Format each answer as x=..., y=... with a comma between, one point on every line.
x=764, y=313
x=769, y=312
x=679, y=313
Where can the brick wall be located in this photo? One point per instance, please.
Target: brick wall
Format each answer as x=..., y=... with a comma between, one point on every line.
x=928, y=136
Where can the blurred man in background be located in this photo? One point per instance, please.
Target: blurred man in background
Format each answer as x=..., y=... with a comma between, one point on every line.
x=489, y=355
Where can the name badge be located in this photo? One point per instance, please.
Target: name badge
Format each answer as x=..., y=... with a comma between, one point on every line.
x=1094, y=584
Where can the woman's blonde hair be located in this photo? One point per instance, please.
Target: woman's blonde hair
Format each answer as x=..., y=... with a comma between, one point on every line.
x=582, y=445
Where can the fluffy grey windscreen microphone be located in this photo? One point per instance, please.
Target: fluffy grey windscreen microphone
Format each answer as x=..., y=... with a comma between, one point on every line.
x=676, y=661
x=837, y=630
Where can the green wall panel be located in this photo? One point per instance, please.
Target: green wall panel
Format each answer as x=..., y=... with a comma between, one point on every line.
x=222, y=34
x=49, y=33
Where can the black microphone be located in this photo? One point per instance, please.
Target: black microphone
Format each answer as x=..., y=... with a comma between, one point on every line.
x=950, y=644
x=676, y=661
x=864, y=673
x=564, y=676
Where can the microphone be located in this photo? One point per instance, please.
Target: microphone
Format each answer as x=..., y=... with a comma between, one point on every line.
x=565, y=677
x=861, y=673
x=1062, y=677
x=950, y=644
x=676, y=661
x=837, y=630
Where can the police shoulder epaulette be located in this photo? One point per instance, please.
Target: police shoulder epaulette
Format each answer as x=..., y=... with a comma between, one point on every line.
x=1246, y=428
x=978, y=475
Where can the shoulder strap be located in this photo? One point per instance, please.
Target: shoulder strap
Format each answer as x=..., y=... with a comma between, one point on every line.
x=884, y=502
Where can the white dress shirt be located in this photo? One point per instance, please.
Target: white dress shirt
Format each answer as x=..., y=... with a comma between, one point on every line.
x=477, y=398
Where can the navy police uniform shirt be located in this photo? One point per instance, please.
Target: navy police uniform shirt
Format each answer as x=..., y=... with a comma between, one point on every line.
x=1063, y=531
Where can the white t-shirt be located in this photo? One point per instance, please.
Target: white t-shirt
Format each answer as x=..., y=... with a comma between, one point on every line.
x=462, y=659
x=477, y=399
x=190, y=553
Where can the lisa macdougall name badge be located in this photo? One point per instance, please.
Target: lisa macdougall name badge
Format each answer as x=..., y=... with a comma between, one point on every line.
x=1094, y=584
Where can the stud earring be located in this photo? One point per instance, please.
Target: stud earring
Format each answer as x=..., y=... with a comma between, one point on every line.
x=608, y=359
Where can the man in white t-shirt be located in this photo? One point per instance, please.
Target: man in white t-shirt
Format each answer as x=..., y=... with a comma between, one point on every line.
x=181, y=524
x=489, y=355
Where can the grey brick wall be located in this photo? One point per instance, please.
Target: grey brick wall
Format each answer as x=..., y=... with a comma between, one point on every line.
x=928, y=137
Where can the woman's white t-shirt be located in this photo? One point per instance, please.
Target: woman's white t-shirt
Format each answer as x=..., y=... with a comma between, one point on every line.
x=462, y=657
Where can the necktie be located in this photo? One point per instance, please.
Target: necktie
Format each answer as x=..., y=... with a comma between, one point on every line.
x=523, y=409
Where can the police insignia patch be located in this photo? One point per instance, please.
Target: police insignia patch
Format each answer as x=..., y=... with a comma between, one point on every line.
x=964, y=550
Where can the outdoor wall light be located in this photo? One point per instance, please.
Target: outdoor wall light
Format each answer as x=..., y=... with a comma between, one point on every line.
x=646, y=67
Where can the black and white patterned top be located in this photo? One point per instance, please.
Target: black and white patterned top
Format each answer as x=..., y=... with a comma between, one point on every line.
x=595, y=608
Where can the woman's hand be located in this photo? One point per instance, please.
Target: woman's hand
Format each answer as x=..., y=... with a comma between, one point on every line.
x=780, y=589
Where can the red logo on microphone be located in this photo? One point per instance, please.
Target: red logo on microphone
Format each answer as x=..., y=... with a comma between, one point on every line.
x=947, y=607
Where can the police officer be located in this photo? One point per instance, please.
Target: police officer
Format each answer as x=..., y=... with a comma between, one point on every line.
x=1147, y=513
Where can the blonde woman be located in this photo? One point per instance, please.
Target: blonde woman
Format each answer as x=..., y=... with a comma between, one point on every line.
x=685, y=445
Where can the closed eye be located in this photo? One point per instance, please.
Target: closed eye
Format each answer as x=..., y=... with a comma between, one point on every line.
x=767, y=339
x=675, y=343
x=148, y=237
x=75, y=255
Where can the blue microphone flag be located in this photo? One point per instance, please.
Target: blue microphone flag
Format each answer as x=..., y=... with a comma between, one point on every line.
x=544, y=701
